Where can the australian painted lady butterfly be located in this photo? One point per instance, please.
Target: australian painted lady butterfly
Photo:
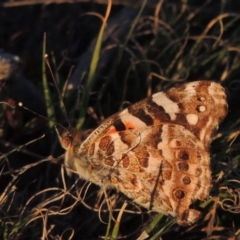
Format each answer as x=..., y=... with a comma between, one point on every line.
x=156, y=151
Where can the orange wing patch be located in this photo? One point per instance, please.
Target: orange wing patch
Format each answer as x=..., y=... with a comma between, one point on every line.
x=129, y=125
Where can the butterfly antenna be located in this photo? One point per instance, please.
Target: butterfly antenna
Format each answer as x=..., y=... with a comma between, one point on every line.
x=20, y=104
x=59, y=93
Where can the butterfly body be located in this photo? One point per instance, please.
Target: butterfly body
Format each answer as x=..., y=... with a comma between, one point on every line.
x=156, y=151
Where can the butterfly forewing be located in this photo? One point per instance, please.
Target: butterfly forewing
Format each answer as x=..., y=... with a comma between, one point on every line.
x=192, y=105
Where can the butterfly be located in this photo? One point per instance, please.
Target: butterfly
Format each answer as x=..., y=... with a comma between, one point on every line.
x=156, y=151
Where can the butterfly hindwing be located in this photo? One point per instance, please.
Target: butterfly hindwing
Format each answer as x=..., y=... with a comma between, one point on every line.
x=162, y=167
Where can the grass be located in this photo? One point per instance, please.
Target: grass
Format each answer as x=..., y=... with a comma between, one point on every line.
x=171, y=44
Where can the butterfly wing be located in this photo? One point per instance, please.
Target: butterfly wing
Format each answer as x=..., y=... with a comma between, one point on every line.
x=198, y=106
x=156, y=151
x=162, y=167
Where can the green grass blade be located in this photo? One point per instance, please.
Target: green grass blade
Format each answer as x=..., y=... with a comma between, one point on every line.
x=93, y=67
x=49, y=104
x=120, y=52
